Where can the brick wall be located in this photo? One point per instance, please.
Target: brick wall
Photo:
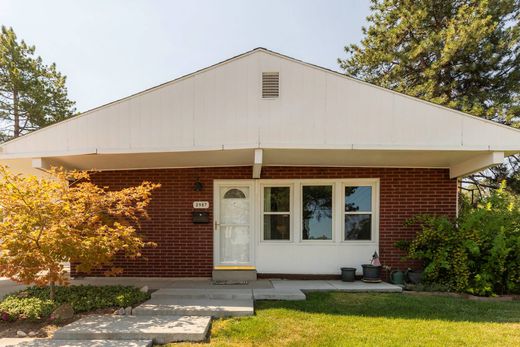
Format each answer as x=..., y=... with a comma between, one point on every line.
x=186, y=249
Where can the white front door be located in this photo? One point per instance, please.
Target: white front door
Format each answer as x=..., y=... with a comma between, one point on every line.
x=233, y=224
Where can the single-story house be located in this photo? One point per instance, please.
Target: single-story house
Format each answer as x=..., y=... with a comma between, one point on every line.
x=273, y=165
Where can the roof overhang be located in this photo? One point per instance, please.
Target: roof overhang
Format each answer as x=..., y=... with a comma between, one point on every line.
x=460, y=163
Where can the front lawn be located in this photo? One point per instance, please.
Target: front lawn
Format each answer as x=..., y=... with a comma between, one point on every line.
x=346, y=319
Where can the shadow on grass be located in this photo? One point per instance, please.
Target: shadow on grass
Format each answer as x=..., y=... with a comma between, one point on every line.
x=401, y=306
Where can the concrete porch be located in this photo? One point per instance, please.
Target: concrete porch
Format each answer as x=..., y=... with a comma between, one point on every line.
x=267, y=287
x=273, y=285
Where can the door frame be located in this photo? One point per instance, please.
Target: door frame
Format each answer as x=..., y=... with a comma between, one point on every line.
x=217, y=185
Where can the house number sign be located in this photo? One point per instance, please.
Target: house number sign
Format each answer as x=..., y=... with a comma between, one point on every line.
x=201, y=204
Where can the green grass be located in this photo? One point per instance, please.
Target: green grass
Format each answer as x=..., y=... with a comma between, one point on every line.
x=345, y=319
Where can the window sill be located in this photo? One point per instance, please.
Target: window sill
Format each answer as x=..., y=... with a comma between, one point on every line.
x=358, y=242
x=317, y=242
x=283, y=242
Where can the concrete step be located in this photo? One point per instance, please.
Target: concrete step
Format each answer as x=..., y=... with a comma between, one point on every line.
x=278, y=294
x=167, y=306
x=204, y=293
x=234, y=275
x=84, y=343
x=161, y=329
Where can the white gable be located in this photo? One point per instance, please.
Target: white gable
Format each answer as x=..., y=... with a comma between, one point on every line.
x=221, y=108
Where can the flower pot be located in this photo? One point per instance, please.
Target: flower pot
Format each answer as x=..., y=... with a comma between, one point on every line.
x=348, y=274
x=371, y=273
x=397, y=277
x=414, y=277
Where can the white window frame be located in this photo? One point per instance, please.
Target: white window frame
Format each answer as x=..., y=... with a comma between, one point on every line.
x=338, y=230
x=316, y=183
x=263, y=212
x=374, y=213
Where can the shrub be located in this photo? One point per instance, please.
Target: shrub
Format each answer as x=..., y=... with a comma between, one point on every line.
x=13, y=307
x=35, y=303
x=478, y=253
x=78, y=222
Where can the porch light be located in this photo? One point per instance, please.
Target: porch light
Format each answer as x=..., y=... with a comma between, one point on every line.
x=198, y=186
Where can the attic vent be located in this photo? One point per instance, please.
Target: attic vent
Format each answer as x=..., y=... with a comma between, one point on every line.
x=270, y=85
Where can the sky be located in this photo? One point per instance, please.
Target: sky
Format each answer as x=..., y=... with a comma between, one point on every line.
x=109, y=49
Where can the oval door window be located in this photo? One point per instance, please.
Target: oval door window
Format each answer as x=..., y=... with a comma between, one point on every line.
x=234, y=194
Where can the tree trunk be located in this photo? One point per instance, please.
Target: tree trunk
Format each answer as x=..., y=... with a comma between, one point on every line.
x=52, y=287
x=16, y=131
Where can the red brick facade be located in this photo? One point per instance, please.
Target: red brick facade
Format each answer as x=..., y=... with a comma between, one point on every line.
x=186, y=249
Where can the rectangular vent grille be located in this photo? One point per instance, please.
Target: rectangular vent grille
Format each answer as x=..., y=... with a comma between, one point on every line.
x=270, y=85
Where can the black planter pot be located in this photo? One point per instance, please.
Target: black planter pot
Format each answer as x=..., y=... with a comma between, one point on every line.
x=371, y=273
x=414, y=277
x=348, y=274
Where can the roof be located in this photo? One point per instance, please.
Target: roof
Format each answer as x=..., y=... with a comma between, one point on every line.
x=220, y=108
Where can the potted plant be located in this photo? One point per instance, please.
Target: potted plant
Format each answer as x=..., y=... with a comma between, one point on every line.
x=372, y=271
x=348, y=274
x=414, y=276
x=397, y=277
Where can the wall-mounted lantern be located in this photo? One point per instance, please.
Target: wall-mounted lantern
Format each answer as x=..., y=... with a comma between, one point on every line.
x=198, y=186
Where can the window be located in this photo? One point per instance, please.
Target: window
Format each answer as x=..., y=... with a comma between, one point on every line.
x=277, y=213
x=358, y=213
x=234, y=194
x=317, y=212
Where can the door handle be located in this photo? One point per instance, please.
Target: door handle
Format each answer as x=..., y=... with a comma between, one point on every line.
x=216, y=224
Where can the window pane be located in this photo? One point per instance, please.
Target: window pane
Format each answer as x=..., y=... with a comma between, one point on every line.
x=317, y=212
x=277, y=227
x=234, y=194
x=277, y=199
x=358, y=199
x=358, y=226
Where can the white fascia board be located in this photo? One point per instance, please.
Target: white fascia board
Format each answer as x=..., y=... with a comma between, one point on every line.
x=476, y=164
x=202, y=148
x=257, y=166
x=46, y=154
x=390, y=147
x=91, y=151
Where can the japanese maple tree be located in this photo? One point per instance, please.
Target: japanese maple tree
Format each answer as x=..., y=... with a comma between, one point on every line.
x=65, y=217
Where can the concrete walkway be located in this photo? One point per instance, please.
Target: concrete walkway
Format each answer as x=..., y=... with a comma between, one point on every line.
x=159, y=329
x=83, y=343
x=352, y=287
x=181, y=310
x=7, y=287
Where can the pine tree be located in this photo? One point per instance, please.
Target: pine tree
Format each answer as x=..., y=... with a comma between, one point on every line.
x=32, y=94
x=464, y=54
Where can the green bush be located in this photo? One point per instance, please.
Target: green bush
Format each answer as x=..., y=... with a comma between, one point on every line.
x=13, y=307
x=35, y=303
x=478, y=253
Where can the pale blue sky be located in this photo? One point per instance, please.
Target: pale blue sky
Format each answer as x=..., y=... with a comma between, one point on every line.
x=112, y=48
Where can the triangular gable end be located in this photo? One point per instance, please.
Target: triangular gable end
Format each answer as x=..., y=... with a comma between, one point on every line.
x=221, y=107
